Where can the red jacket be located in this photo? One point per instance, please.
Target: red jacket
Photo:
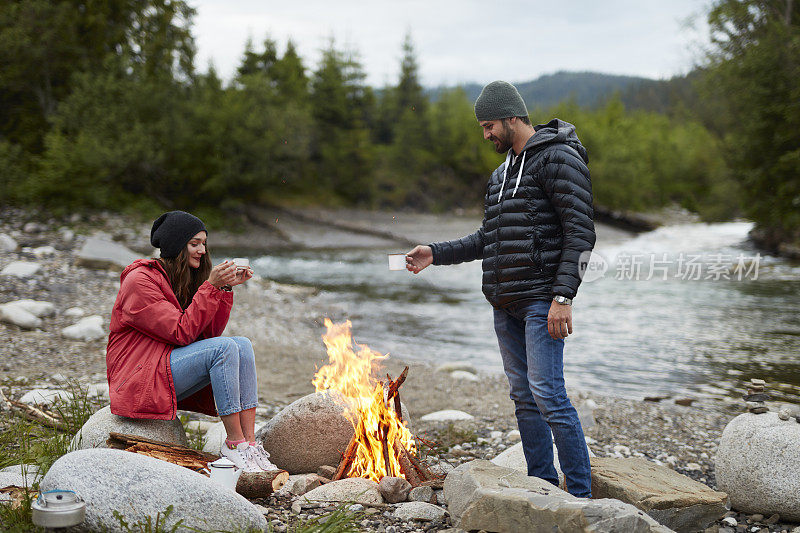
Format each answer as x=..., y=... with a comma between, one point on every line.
x=147, y=322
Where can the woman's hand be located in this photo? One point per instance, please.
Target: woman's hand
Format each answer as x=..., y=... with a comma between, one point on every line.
x=223, y=274
x=242, y=275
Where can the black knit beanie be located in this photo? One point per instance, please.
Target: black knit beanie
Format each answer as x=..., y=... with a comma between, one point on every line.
x=172, y=231
x=499, y=100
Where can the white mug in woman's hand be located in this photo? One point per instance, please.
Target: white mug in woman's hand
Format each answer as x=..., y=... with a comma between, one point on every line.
x=242, y=263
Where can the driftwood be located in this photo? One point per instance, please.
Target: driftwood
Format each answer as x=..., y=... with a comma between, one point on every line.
x=172, y=453
x=261, y=484
x=33, y=413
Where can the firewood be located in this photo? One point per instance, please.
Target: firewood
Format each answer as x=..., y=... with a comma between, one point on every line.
x=425, y=473
x=261, y=484
x=394, y=385
x=347, y=458
x=406, y=467
x=172, y=453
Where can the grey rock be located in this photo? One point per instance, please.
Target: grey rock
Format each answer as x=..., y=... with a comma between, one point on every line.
x=394, y=489
x=85, y=329
x=43, y=251
x=308, y=433
x=96, y=430
x=12, y=314
x=139, y=487
x=21, y=269
x=457, y=366
x=419, y=511
x=421, y=494
x=464, y=375
x=299, y=484
x=513, y=457
x=354, y=489
x=482, y=495
x=74, y=312
x=7, y=243
x=758, y=465
x=101, y=252
x=326, y=471
x=448, y=415
x=16, y=479
x=674, y=500
x=45, y=397
x=22, y=469
x=37, y=308
x=98, y=390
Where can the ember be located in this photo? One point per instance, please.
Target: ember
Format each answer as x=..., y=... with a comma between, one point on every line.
x=381, y=445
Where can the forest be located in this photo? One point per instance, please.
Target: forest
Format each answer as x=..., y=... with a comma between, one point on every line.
x=103, y=107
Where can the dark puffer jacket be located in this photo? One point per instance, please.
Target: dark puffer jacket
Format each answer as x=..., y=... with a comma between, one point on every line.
x=531, y=239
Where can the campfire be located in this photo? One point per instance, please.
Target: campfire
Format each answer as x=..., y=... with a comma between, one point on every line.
x=382, y=444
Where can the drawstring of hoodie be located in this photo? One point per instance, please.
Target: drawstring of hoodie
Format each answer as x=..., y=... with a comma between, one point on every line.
x=505, y=173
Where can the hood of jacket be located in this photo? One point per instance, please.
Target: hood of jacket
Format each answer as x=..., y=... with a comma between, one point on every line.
x=556, y=131
x=140, y=263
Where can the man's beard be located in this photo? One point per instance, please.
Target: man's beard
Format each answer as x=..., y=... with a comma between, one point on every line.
x=502, y=144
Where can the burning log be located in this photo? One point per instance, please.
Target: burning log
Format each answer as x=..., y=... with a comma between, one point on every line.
x=347, y=459
x=409, y=472
x=394, y=392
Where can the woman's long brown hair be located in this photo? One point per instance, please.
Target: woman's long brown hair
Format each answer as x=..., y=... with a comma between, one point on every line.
x=184, y=279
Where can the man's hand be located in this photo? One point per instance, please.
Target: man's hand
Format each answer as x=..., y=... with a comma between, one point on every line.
x=559, y=320
x=419, y=258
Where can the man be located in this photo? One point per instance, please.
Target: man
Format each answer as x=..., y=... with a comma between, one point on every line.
x=537, y=222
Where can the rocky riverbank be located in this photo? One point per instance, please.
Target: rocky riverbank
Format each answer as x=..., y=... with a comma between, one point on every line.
x=285, y=324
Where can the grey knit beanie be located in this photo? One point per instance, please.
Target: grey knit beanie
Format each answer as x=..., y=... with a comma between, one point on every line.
x=172, y=231
x=499, y=100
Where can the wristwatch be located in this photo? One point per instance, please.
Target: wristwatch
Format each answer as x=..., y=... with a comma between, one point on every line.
x=226, y=288
x=563, y=300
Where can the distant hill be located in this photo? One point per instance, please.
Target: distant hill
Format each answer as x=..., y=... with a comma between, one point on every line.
x=588, y=89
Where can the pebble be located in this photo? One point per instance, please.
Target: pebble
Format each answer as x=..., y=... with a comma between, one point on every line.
x=730, y=521
x=784, y=414
x=693, y=467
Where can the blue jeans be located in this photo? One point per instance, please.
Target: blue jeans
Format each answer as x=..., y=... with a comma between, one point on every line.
x=534, y=364
x=227, y=363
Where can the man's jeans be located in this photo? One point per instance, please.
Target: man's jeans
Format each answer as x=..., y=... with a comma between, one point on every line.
x=534, y=365
x=227, y=363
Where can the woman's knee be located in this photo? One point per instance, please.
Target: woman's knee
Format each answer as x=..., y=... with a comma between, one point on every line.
x=227, y=351
x=245, y=348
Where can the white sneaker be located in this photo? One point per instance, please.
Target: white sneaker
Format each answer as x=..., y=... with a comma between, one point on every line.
x=261, y=458
x=241, y=456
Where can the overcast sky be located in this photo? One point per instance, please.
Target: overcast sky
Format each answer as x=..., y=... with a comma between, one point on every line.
x=460, y=41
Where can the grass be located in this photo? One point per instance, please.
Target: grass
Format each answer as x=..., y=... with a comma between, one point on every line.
x=450, y=436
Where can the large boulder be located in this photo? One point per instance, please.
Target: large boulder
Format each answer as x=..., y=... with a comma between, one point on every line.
x=514, y=457
x=758, y=465
x=96, y=430
x=138, y=487
x=351, y=489
x=308, y=433
x=482, y=495
x=99, y=251
x=673, y=499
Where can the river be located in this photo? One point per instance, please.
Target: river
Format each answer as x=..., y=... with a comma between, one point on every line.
x=687, y=331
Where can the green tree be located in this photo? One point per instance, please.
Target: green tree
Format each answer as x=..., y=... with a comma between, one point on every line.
x=341, y=104
x=753, y=69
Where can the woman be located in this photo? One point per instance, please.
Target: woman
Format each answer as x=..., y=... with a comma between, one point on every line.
x=164, y=347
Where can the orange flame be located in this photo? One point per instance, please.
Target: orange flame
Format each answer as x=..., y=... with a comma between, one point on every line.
x=377, y=428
